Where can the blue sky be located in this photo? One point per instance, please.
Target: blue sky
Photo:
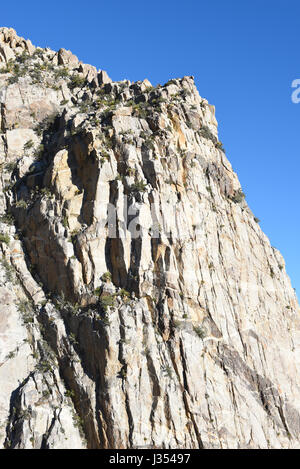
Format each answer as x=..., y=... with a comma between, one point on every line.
x=244, y=56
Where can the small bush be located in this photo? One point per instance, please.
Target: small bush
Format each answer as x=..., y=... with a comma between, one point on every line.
x=205, y=132
x=124, y=293
x=12, y=80
x=65, y=222
x=76, y=82
x=209, y=189
x=38, y=53
x=28, y=145
x=238, y=197
x=106, y=277
x=200, y=332
x=10, y=273
x=7, y=218
x=66, y=306
x=4, y=238
x=70, y=393
x=25, y=309
x=140, y=110
x=167, y=370
x=44, y=366
x=130, y=172
x=36, y=76
x=61, y=73
x=139, y=186
x=22, y=58
x=73, y=339
x=10, y=355
x=219, y=146
x=21, y=204
x=122, y=373
x=107, y=301
x=11, y=166
x=46, y=192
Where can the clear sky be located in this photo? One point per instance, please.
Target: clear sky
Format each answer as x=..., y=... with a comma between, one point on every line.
x=244, y=56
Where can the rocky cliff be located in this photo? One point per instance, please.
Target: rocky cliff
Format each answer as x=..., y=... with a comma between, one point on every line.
x=141, y=304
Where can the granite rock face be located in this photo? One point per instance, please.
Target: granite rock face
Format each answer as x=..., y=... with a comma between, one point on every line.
x=141, y=304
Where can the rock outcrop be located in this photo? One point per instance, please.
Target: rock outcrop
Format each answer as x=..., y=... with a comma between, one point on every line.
x=141, y=304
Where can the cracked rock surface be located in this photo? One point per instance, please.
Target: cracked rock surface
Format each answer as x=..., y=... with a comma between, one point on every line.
x=141, y=304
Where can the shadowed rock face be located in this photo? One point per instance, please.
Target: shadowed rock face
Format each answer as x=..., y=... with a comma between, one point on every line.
x=141, y=304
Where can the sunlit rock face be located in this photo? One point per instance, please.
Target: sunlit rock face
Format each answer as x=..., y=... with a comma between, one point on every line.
x=141, y=304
